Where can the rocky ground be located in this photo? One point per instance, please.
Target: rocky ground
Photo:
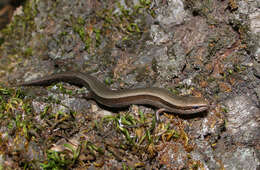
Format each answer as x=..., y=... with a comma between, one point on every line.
x=198, y=48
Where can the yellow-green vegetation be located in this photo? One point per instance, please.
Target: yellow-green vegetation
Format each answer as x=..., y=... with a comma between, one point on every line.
x=110, y=23
x=16, y=114
x=59, y=160
x=15, y=117
x=13, y=110
x=19, y=30
x=60, y=87
x=139, y=132
x=101, y=138
x=55, y=161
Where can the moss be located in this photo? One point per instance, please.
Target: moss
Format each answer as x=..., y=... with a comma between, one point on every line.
x=136, y=132
x=56, y=160
x=28, y=52
x=97, y=37
x=19, y=30
x=79, y=28
x=123, y=23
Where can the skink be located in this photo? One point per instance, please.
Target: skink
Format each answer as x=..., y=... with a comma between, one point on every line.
x=157, y=97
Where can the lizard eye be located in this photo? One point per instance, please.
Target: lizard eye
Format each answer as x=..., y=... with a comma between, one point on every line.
x=195, y=107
